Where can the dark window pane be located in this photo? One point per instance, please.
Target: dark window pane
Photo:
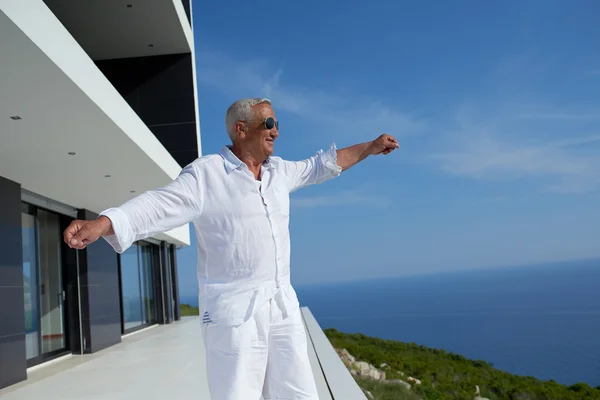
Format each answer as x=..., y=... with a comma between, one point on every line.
x=130, y=284
x=51, y=280
x=30, y=281
x=149, y=305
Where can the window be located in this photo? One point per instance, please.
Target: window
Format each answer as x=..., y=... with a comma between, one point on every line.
x=137, y=286
x=130, y=289
x=44, y=283
x=149, y=303
x=30, y=281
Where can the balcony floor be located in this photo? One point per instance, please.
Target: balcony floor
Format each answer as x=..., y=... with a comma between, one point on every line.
x=162, y=362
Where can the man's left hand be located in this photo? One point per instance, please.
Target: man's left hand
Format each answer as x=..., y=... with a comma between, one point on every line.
x=384, y=144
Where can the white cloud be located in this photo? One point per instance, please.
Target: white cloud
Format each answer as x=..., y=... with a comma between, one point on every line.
x=556, y=148
x=340, y=199
x=557, y=158
x=355, y=115
x=558, y=116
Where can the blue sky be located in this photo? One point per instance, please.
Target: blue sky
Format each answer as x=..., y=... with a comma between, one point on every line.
x=496, y=107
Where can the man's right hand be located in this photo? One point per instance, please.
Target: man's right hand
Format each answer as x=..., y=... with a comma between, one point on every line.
x=81, y=233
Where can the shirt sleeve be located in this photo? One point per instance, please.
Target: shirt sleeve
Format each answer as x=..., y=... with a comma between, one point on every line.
x=314, y=170
x=156, y=211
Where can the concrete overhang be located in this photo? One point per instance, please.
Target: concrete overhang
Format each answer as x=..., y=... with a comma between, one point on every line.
x=54, y=101
x=109, y=29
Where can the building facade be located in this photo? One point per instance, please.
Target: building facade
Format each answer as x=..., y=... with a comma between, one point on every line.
x=97, y=104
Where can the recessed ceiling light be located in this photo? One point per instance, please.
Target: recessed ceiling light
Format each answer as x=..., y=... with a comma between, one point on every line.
x=71, y=153
x=15, y=117
x=107, y=176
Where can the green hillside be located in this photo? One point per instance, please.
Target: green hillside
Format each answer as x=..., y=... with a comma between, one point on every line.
x=188, y=311
x=446, y=375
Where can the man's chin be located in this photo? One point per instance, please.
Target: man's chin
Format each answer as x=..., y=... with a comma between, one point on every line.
x=270, y=149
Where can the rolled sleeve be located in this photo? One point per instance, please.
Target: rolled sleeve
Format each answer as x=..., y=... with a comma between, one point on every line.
x=123, y=236
x=329, y=160
x=314, y=170
x=156, y=211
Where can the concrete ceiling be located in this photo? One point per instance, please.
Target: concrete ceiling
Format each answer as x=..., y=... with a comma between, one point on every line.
x=47, y=113
x=108, y=29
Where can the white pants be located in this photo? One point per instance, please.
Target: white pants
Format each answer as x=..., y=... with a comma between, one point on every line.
x=265, y=356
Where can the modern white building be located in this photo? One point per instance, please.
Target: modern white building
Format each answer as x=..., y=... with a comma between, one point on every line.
x=97, y=104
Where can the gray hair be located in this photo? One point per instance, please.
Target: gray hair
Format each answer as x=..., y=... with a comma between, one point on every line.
x=241, y=110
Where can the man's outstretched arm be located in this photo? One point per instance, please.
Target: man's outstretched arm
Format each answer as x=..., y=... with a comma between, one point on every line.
x=152, y=212
x=349, y=156
x=330, y=163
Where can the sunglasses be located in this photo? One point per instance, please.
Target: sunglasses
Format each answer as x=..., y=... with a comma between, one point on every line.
x=270, y=123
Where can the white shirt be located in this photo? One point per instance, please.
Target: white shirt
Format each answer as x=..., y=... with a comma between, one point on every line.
x=242, y=226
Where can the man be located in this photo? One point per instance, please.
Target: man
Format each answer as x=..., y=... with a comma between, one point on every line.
x=238, y=201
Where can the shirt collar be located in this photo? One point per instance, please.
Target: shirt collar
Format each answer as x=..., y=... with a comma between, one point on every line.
x=232, y=162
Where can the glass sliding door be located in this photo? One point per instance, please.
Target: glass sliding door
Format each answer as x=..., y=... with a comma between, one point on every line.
x=44, y=285
x=131, y=295
x=149, y=304
x=30, y=282
x=168, y=285
x=51, y=282
x=138, y=299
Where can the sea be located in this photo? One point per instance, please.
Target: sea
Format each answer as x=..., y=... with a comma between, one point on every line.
x=541, y=321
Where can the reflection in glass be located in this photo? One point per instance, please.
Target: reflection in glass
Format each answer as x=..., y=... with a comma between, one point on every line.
x=30, y=283
x=168, y=285
x=148, y=305
x=51, y=282
x=130, y=286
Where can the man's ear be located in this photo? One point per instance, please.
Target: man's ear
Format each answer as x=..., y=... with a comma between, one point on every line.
x=240, y=129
